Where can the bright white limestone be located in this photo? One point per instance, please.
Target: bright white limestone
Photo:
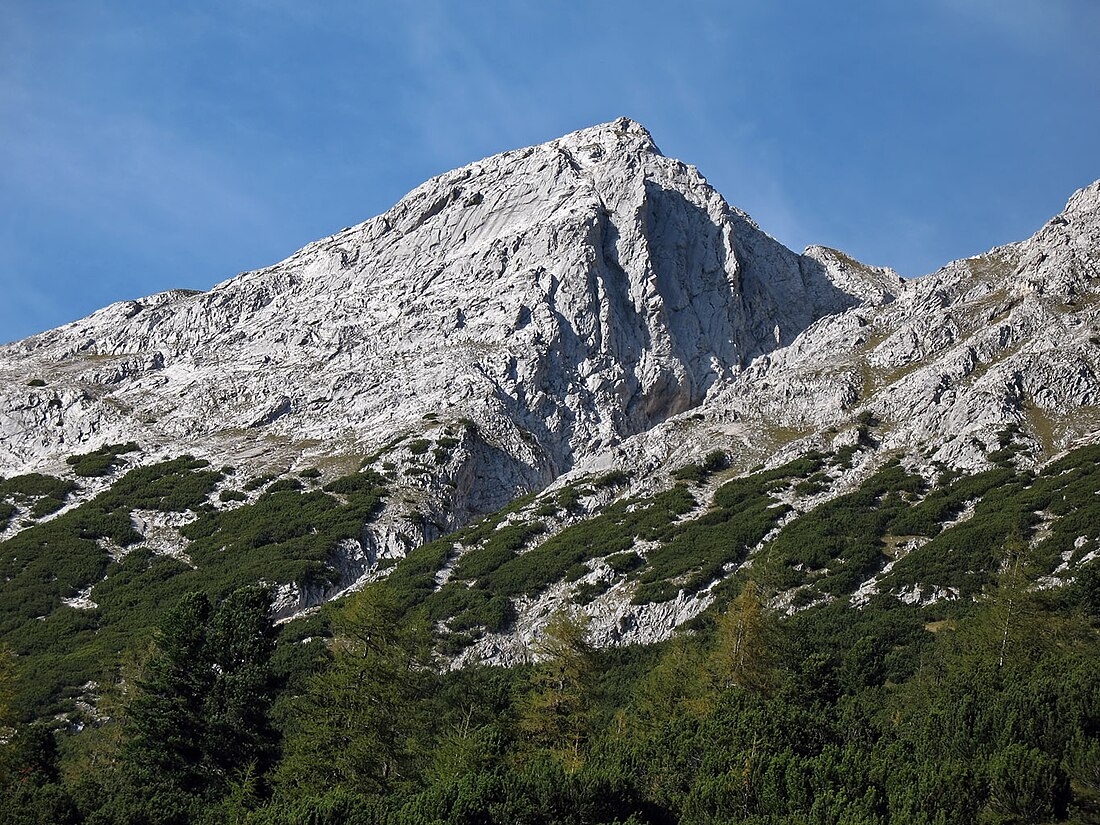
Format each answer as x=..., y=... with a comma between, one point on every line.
x=569, y=308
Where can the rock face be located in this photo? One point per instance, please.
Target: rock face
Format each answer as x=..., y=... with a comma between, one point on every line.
x=1009, y=337
x=569, y=308
x=562, y=297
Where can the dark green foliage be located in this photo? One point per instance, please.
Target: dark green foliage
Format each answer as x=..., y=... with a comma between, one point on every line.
x=866, y=716
x=471, y=607
x=696, y=553
x=366, y=481
x=946, y=502
x=690, y=472
x=624, y=562
x=57, y=558
x=844, y=456
x=842, y=536
x=357, y=723
x=465, y=608
x=444, y=447
x=983, y=710
x=1008, y=448
x=286, y=535
x=964, y=555
x=257, y=482
x=493, y=613
x=31, y=792
x=691, y=555
x=715, y=462
x=613, y=531
x=613, y=478
x=232, y=495
x=1027, y=785
x=501, y=546
x=36, y=382
x=816, y=483
x=412, y=579
x=588, y=592
x=311, y=473
x=172, y=486
x=284, y=485
x=418, y=446
x=99, y=462
x=43, y=494
x=568, y=497
x=201, y=713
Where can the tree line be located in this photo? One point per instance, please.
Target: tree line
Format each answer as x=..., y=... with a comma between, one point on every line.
x=985, y=711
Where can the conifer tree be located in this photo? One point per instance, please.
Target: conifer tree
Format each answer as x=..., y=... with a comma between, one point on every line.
x=167, y=713
x=201, y=712
x=673, y=688
x=745, y=652
x=555, y=712
x=359, y=722
x=7, y=691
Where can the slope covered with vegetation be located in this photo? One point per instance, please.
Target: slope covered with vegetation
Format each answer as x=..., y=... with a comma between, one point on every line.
x=781, y=702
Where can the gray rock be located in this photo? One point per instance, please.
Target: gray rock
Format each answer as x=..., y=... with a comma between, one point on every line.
x=565, y=309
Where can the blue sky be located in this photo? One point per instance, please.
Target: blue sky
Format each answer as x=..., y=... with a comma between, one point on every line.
x=151, y=145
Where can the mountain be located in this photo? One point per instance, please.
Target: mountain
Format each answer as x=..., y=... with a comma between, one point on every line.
x=567, y=374
x=564, y=297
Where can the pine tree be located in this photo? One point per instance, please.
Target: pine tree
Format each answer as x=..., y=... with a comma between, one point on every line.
x=240, y=641
x=201, y=711
x=168, y=711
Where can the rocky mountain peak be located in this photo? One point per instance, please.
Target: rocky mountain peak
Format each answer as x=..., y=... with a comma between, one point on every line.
x=562, y=296
x=586, y=320
x=1085, y=202
x=615, y=139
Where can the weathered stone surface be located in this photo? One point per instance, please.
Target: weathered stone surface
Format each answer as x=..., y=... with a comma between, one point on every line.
x=562, y=309
x=562, y=297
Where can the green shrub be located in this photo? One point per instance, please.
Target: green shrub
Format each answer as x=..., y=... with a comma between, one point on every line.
x=287, y=535
x=500, y=547
x=690, y=472
x=625, y=562
x=419, y=446
x=284, y=485
x=99, y=462
x=588, y=592
x=43, y=494
x=843, y=535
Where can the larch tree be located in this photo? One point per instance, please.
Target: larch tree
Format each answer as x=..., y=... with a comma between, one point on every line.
x=555, y=713
x=746, y=645
x=359, y=723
